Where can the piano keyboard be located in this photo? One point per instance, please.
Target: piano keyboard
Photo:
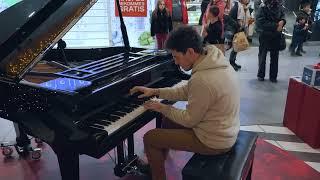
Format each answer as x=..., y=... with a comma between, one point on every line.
x=113, y=119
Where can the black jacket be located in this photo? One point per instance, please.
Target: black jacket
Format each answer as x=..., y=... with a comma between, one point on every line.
x=161, y=23
x=308, y=20
x=267, y=22
x=214, y=31
x=298, y=33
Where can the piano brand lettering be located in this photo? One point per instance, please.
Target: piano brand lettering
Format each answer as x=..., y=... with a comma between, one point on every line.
x=133, y=8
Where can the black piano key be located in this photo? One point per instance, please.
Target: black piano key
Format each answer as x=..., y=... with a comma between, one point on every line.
x=127, y=109
x=92, y=130
x=118, y=113
x=97, y=126
x=113, y=118
x=104, y=123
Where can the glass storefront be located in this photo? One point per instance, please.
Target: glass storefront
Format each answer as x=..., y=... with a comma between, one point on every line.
x=194, y=11
x=99, y=27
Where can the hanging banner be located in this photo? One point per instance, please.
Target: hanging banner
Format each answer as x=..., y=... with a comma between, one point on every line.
x=132, y=8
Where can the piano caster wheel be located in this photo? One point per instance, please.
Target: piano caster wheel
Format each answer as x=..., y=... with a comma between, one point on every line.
x=36, y=154
x=38, y=141
x=7, y=151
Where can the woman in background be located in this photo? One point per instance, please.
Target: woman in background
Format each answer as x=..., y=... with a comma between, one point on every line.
x=161, y=23
x=221, y=5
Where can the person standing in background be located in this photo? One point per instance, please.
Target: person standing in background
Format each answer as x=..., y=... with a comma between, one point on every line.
x=243, y=17
x=299, y=31
x=305, y=12
x=221, y=5
x=212, y=32
x=161, y=23
x=204, y=5
x=179, y=12
x=270, y=21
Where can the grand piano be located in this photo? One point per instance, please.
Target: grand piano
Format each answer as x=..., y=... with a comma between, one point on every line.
x=85, y=109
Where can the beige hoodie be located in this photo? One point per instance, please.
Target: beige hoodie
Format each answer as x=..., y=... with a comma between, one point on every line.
x=213, y=101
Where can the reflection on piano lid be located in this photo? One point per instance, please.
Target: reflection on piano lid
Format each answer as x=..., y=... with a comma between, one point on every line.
x=65, y=84
x=155, y=52
x=34, y=28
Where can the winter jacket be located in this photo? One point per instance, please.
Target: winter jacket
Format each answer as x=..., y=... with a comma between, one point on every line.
x=299, y=33
x=267, y=22
x=308, y=20
x=161, y=23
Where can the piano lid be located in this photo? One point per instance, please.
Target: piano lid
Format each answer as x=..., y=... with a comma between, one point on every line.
x=30, y=28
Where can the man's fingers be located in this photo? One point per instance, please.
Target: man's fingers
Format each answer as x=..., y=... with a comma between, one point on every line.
x=142, y=96
x=135, y=89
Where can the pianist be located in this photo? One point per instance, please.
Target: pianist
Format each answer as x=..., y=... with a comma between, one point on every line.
x=211, y=120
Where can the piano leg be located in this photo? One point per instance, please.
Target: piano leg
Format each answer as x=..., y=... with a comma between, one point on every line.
x=68, y=159
x=131, y=154
x=119, y=168
x=126, y=164
x=69, y=165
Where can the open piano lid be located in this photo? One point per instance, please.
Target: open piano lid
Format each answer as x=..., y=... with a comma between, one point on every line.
x=32, y=27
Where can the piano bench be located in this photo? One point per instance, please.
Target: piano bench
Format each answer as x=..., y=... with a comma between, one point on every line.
x=233, y=165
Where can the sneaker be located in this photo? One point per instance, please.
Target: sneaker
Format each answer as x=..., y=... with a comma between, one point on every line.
x=298, y=54
x=274, y=80
x=260, y=79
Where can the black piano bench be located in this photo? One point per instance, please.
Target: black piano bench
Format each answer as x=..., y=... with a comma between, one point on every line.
x=233, y=165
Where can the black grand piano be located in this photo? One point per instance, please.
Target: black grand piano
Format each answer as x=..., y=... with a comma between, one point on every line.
x=85, y=109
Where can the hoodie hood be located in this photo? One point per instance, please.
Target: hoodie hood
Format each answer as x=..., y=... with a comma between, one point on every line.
x=214, y=59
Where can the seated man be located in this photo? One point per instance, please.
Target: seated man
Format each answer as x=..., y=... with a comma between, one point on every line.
x=211, y=119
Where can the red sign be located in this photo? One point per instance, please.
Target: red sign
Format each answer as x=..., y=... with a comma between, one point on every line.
x=132, y=8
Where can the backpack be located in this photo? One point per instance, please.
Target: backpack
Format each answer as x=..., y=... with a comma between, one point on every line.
x=234, y=11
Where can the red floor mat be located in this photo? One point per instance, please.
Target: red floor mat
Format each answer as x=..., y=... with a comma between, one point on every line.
x=273, y=163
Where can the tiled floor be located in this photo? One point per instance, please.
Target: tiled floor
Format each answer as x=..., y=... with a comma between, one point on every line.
x=274, y=134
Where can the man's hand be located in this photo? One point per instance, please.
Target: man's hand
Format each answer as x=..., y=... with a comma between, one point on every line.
x=146, y=92
x=279, y=29
x=281, y=23
x=154, y=106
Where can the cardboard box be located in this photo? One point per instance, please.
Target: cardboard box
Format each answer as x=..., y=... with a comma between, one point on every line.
x=311, y=76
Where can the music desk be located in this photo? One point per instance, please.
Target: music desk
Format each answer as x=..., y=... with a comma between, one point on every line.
x=302, y=112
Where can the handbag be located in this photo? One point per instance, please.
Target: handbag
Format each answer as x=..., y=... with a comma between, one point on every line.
x=282, y=43
x=240, y=42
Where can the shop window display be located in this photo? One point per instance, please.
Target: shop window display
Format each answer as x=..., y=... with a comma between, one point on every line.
x=194, y=11
x=99, y=27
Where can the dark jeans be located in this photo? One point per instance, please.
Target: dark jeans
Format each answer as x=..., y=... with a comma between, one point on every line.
x=274, y=57
x=296, y=45
x=233, y=57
